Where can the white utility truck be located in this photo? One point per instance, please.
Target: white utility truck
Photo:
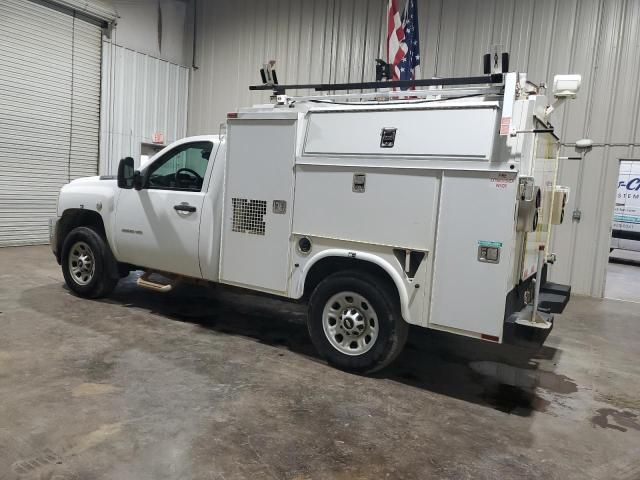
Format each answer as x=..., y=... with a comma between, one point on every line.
x=432, y=207
x=625, y=233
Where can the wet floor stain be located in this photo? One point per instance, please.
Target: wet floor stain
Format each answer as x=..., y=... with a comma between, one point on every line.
x=525, y=377
x=512, y=389
x=514, y=400
x=556, y=383
x=615, y=419
x=506, y=388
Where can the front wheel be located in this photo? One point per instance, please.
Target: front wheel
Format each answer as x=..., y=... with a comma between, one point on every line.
x=85, y=263
x=355, y=323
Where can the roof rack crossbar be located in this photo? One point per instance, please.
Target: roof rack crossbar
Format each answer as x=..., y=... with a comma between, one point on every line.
x=496, y=78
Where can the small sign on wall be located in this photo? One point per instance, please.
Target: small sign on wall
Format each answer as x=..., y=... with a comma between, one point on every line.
x=158, y=137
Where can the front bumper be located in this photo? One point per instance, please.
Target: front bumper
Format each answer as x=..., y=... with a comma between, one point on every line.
x=53, y=234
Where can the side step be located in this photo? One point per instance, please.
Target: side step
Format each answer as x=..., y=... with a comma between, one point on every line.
x=145, y=282
x=556, y=288
x=554, y=297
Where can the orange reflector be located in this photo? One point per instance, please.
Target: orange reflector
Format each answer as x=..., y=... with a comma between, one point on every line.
x=232, y=115
x=493, y=338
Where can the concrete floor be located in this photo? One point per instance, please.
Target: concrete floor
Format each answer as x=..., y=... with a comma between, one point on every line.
x=200, y=384
x=623, y=276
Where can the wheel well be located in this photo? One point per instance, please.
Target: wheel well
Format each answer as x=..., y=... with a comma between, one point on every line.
x=329, y=265
x=77, y=217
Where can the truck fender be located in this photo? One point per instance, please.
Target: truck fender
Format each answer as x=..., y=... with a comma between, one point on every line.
x=365, y=257
x=90, y=195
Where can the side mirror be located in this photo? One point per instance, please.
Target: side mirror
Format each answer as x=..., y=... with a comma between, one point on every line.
x=125, y=173
x=128, y=176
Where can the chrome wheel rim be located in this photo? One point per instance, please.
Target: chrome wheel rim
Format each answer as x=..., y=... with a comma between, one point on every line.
x=350, y=323
x=82, y=263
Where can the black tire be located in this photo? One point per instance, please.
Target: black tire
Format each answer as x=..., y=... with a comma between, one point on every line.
x=391, y=333
x=102, y=281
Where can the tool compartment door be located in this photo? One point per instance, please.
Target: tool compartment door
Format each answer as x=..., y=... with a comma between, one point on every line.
x=258, y=203
x=477, y=210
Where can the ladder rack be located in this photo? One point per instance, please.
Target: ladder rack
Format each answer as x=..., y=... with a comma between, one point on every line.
x=404, y=96
x=487, y=80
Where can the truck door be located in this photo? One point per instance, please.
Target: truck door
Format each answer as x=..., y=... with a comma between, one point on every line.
x=158, y=226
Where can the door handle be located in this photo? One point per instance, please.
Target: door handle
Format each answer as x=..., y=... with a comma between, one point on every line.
x=184, y=207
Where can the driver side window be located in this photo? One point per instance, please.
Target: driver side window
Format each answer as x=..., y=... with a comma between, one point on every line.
x=182, y=168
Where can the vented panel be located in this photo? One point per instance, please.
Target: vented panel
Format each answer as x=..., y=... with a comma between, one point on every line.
x=248, y=216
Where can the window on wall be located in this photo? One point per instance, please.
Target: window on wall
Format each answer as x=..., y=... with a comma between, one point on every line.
x=182, y=168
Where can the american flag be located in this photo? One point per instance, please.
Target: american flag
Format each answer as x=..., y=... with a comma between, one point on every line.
x=410, y=64
x=403, y=42
x=396, y=48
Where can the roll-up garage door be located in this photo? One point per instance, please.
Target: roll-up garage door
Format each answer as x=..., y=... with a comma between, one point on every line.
x=49, y=113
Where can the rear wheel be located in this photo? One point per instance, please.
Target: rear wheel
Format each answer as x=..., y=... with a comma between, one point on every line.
x=355, y=322
x=86, y=258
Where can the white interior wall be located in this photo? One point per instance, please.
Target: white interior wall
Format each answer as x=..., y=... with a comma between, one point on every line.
x=145, y=83
x=141, y=95
x=333, y=40
x=159, y=28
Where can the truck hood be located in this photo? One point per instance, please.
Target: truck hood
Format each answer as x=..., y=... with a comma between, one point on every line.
x=91, y=180
x=90, y=193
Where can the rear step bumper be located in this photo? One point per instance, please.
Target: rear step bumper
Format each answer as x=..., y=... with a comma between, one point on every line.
x=526, y=335
x=554, y=297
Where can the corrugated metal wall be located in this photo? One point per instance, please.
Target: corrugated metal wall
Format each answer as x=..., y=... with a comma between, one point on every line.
x=141, y=95
x=333, y=40
x=49, y=113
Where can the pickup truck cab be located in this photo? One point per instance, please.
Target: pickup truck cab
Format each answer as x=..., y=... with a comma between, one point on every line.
x=378, y=214
x=155, y=225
